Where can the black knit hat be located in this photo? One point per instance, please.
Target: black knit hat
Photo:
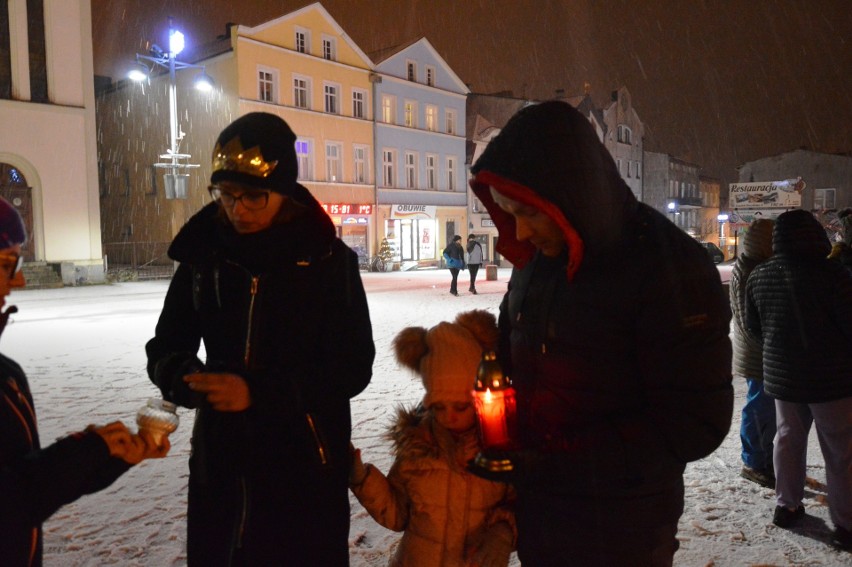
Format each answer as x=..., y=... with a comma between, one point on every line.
x=257, y=150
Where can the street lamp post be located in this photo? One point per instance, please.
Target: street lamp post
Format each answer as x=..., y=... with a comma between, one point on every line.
x=175, y=179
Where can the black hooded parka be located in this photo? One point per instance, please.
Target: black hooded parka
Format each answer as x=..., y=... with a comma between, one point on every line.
x=285, y=309
x=618, y=348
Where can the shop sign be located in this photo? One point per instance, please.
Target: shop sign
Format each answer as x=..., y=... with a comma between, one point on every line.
x=413, y=211
x=766, y=194
x=347, y=209
x=487, y=223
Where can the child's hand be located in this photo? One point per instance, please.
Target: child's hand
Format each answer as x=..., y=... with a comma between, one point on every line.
x=357, y=470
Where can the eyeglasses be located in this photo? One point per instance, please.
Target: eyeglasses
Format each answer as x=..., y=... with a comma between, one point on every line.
x=11, y=263
x=251, y=200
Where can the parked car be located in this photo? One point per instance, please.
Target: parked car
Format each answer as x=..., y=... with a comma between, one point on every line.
x=714, y=251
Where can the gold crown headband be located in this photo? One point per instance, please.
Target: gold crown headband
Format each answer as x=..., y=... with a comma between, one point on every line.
x=232, y=157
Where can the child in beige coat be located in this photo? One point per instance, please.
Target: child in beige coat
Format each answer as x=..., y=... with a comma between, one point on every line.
x=448, y=516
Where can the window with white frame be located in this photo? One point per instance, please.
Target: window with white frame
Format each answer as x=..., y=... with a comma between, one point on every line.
x=824, y=199
x=618, y=165
x=624, y=134
x=388, y=109
x=388, y=165
x=333, y=165
x=431, y=115
x=329, y=48
x=638, y=170
x=628, y=168
x=430, y=75
x=411, y=70
x=431, y=171
x=451, y=173
x=410, y=114
x=450, y=116
x=301, y=92
x=304, y=157
x=410, y=170
x=266, y=84
x=331, y=94
x=359, y=103
x=360, y=161
x=303, y=40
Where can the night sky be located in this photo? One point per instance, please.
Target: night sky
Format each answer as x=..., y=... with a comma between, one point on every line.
x=716, y=83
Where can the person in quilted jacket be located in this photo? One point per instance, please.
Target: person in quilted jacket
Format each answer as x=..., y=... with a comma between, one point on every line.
x=799, y=305
x=448, y=516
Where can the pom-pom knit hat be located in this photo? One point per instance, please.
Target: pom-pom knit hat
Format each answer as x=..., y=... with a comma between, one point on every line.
x=12, y=229
x=447, y=356
x=257, y=150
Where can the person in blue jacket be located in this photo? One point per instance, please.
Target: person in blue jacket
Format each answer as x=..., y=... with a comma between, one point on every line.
x=36, y=481
x=614, y=331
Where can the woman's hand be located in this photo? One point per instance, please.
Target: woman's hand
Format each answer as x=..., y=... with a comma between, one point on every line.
x=224, y=391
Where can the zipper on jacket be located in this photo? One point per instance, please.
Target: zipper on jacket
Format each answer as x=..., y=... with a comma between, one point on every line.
x=320, y=447
x=247, y=356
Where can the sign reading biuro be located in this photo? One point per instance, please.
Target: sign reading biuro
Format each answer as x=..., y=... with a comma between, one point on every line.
x=413, y=211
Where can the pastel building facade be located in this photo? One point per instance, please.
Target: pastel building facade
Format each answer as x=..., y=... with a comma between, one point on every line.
x=421, y=189
x=48, y=155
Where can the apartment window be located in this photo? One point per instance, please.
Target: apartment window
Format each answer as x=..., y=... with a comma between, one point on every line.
x=388, y=162
x=329, y=48
x=411, y=114
x=431, y=171
x=410, y=170
x=301, y=92
x=624, y=134
x=638, y=170
x=628, y=169
x=266, y=80
x=304, y=159
x=333, y=166
x=451, y=173
x=411, y=70
x=388, y=109
x=430, y=76
x=618, y=165
x=824, y=199
x=450, y=116
x=359, y=103
x=303, y=41
x=332, y=102
x=431, y=113
x=361, y=164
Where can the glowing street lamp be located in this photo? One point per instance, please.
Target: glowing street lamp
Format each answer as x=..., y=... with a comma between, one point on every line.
x=176, y=181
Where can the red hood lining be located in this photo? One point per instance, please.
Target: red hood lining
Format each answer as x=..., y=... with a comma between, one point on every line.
x=520, y=253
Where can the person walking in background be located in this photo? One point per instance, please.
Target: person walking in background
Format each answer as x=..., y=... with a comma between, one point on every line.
x=799, y=304
x=454, y=257
x=37, y=481
x=842, y=250
x=278, y=301
x=757, y=427
x=614, y=330
x=448, y=516
x=474, y=260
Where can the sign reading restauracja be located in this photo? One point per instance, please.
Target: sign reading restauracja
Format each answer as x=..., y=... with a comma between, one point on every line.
x=764, y=199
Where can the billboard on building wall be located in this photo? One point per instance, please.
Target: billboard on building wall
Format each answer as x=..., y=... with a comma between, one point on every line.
x=413, y=211
x=764, y=199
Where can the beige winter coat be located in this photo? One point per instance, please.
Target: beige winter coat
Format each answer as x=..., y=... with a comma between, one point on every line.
x=443, y=510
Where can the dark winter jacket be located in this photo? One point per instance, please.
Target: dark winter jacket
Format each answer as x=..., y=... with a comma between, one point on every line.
x=36, y=482
x=619, y=348
x=455, y=251
x=286, y=310
x=443, y=509
x=799, y=303
x=748, y=352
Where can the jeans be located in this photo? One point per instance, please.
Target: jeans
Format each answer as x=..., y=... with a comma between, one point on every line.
x=757, y=428
x=473, y=268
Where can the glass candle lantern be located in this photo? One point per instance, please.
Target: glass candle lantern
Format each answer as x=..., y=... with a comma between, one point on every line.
x=496, y=413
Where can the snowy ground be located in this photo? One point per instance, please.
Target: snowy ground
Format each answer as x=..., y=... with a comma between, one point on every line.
x=83, y=351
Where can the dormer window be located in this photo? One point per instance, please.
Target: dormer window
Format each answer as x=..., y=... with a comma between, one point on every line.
x=624, y=134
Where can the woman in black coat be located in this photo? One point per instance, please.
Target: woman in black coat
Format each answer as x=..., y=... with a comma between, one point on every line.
x=278, y=302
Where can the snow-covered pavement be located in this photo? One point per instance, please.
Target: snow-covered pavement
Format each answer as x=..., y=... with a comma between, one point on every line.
x=83, y=351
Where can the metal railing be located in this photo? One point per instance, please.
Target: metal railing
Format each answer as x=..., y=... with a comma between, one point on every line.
x=132, y=261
